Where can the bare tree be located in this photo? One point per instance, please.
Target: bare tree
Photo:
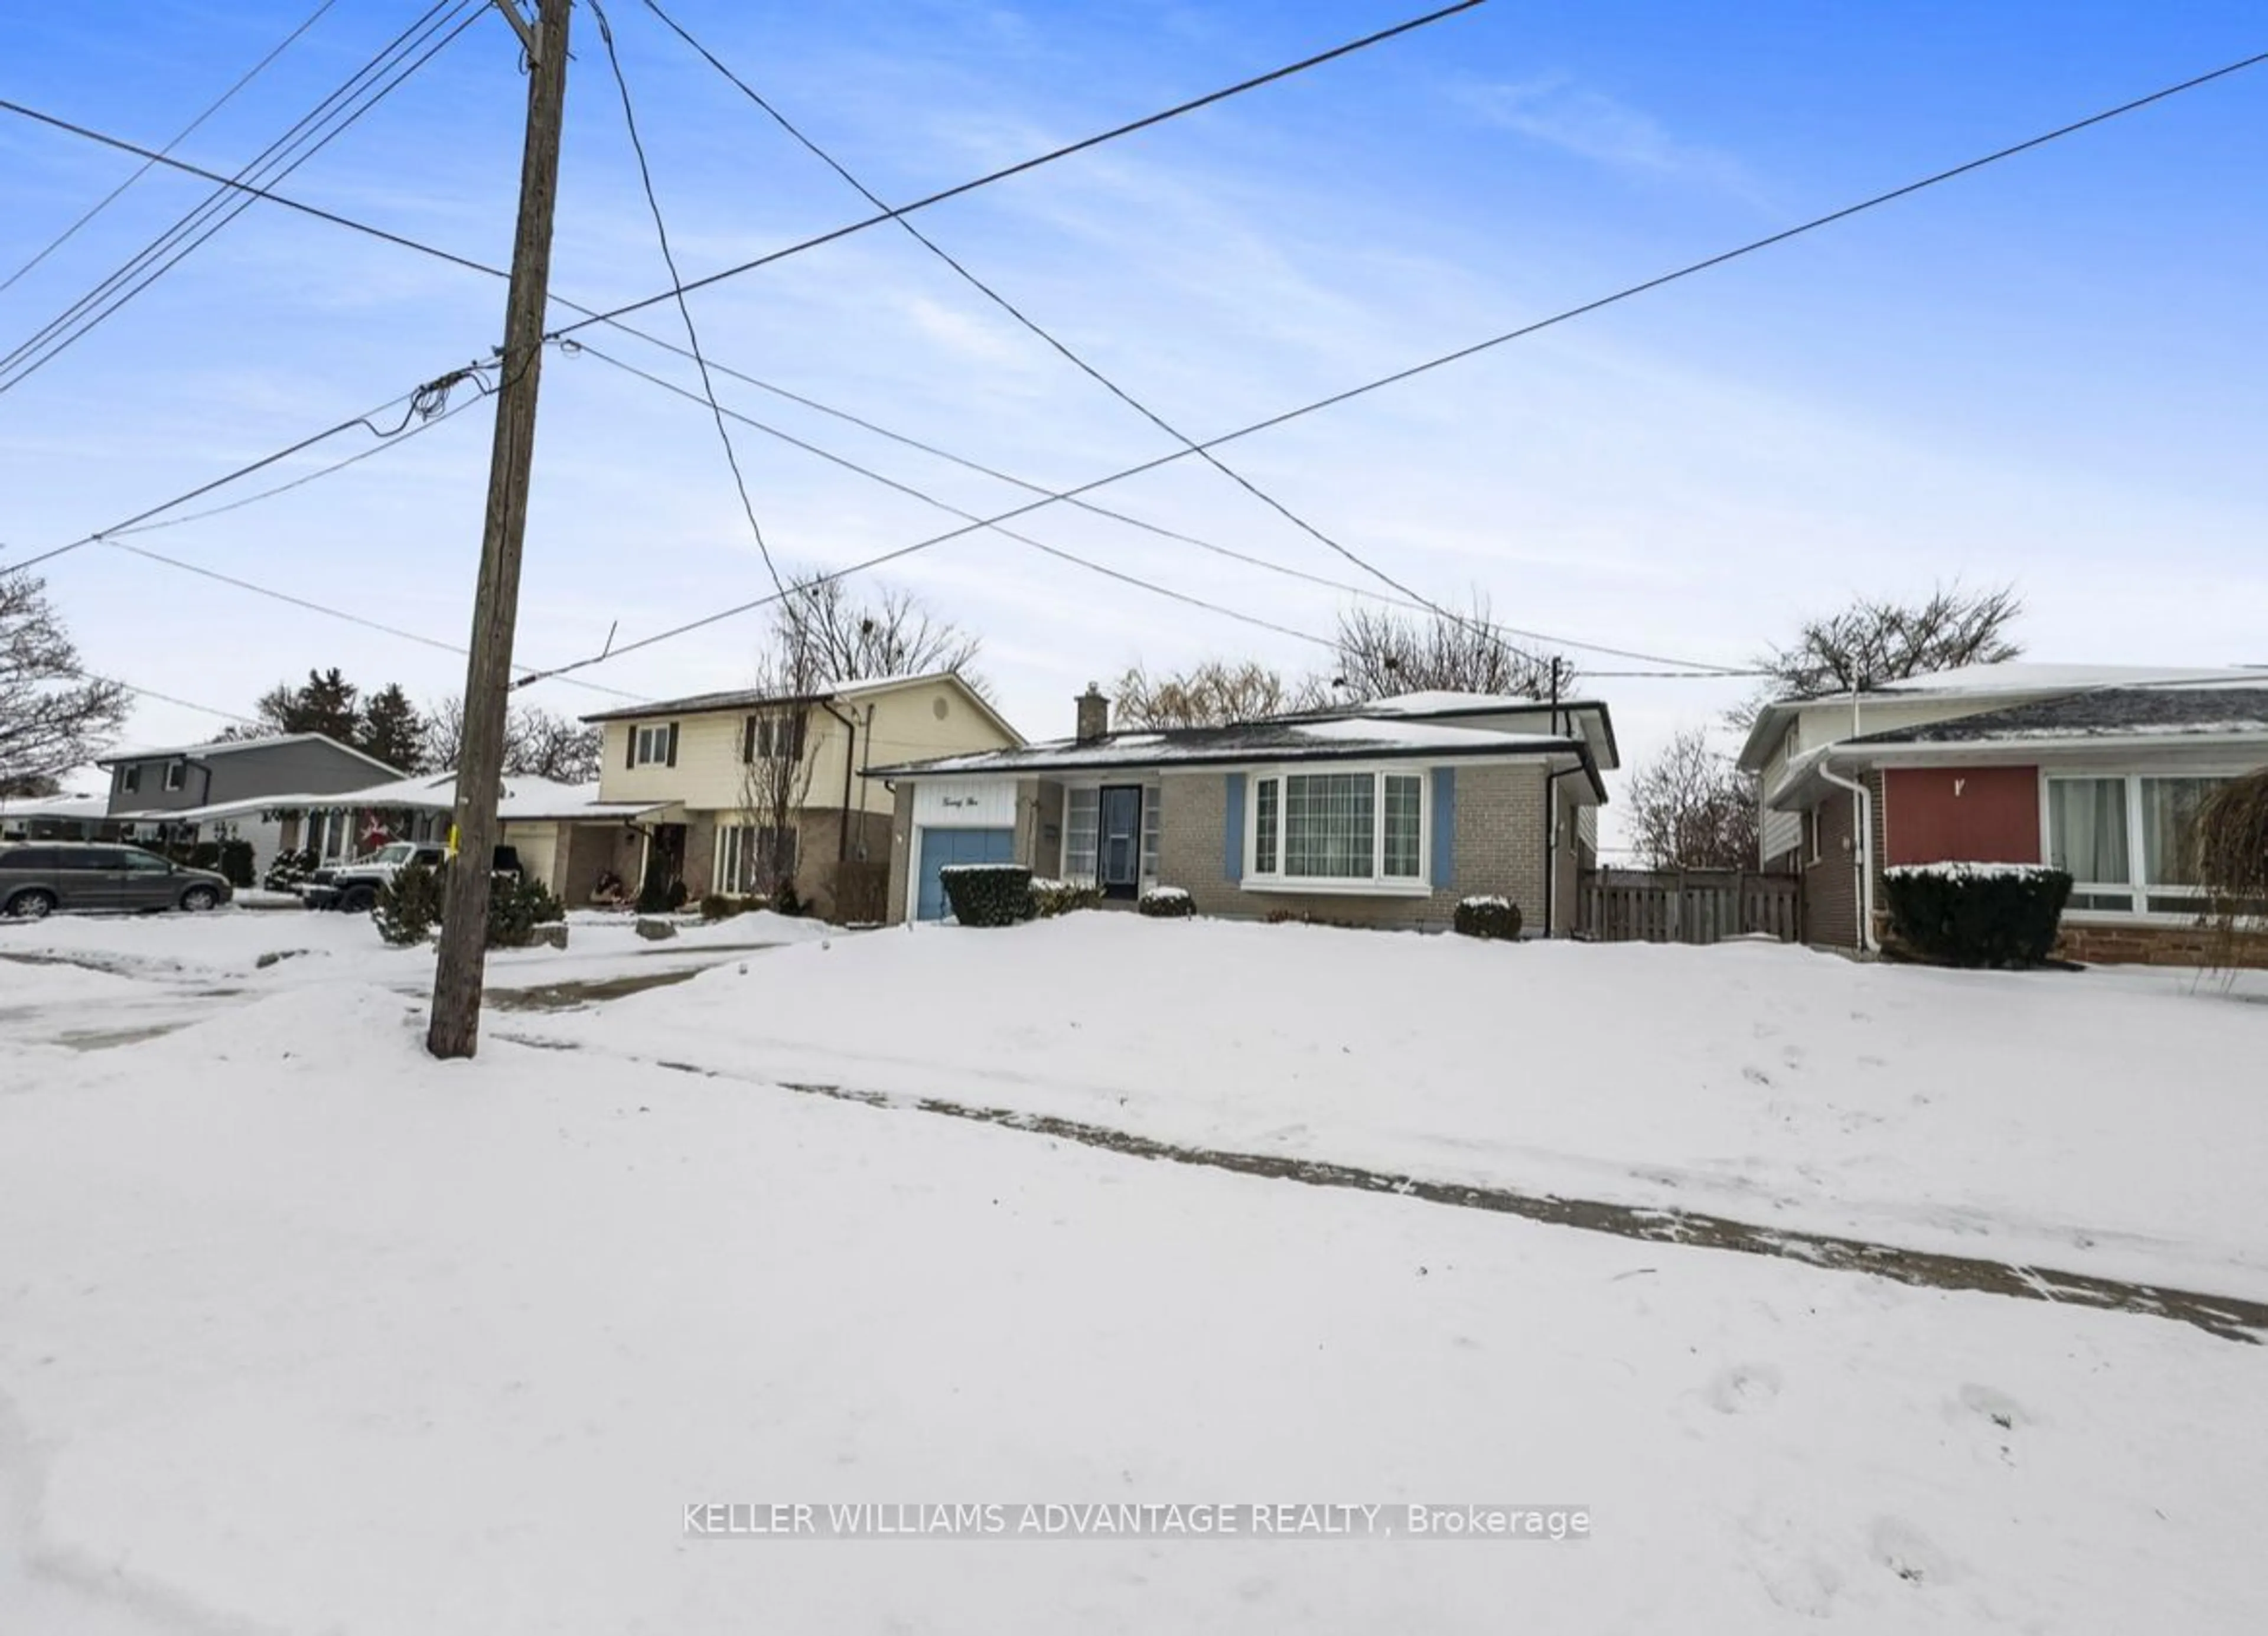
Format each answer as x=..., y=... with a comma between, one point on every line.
x=1692, y=808
x=1874, y=641
x=537, y=744
x=53, y=715
x=843, y=638
x=1209, y=695
x=1383, y=652
x=775, y=765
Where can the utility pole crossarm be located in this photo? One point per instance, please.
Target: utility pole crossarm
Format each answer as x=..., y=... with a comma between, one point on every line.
x=531, y=35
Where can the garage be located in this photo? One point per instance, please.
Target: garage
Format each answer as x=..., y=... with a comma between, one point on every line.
x=940, y=847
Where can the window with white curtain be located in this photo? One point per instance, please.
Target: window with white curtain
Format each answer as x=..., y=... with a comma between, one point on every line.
x=1080, y=823
x=2128, y=842
x=1347, y=828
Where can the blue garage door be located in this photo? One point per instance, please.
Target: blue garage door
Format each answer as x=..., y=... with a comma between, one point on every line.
x=940, y=847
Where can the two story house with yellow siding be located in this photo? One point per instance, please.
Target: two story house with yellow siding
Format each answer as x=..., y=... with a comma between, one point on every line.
x=726, y=766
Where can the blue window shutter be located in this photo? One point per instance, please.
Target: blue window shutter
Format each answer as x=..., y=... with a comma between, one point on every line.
x=1444, y=826
x=1232, y=828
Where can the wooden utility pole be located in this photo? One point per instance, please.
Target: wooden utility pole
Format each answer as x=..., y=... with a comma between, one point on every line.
x=455, y=1027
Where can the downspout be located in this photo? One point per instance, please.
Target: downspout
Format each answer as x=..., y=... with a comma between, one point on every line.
x=1552, y=839
x=1862, y=853
x=850, y=758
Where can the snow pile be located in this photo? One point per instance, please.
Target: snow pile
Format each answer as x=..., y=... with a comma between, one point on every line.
x=1485, y=901
x=1957, y=871
x=2090, y=1121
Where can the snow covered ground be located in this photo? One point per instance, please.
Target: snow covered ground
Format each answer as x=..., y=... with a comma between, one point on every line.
x=302, y=1331
x=2110, y=1121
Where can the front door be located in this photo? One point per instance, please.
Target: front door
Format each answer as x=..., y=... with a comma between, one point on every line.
x=667, y=856
x=1118, y=841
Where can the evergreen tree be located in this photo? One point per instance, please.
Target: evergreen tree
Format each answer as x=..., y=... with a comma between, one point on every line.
x=391, y=729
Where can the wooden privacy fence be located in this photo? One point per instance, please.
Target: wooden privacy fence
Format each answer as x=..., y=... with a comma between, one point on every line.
x=1689, y=905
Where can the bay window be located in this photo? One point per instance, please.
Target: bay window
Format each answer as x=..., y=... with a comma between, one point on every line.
x=1339, y=829
x=2128, y=842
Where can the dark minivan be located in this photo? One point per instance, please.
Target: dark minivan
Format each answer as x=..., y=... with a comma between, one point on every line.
x=38, y=878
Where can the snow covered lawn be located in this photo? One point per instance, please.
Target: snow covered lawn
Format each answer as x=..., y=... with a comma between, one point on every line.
x=2111, y=1122
x=301, y=1331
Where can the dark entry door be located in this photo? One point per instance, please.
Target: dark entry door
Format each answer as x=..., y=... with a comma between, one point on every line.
x=666, y=854
x=1119, y=842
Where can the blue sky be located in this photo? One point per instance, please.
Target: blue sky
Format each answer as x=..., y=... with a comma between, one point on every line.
x=2050, y=372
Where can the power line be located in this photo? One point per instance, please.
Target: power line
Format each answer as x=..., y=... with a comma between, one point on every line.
x=585, y=348
x=1061, y=348
x=193, y=229
x=1023, y=165
x=163, y=699
x=174, y=141
x=677, y=285
x=1073, y=496
x=718, y=367
x=420, y=403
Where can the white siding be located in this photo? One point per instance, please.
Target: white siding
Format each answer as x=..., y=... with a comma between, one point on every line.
x=965, y=803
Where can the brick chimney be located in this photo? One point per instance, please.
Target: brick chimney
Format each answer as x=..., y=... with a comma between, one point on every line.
x=1093, y=715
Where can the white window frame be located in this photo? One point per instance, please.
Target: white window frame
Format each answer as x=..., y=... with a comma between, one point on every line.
x=652, y=736
x=1377, y=883
x=177, y=775
x=2137, y=887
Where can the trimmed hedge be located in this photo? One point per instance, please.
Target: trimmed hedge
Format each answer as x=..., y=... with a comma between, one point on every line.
x=236, y=863
x=1166, y=903
x=988, y=895
x=1493, y=917
x=1977, y=914
x=1050, y=898
x=723, y=905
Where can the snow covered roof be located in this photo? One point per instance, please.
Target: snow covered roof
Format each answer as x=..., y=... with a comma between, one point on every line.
x=523, y=800
x=73, y=807
x=233, y=747
x=1588, y=717
x=1964, y=690
x=2023, y=676
x=2100, y=714
x=1286, y=740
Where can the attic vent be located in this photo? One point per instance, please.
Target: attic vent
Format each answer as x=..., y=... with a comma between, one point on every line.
x=938, y=708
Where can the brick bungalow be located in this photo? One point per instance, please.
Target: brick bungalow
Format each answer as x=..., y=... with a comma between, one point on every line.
x=2096, y=769
x=1384, y=813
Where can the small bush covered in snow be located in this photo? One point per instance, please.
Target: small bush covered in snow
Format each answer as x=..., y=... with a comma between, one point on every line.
x=1050, y=898
x=287, y=872
x=1486, y=917
x=988, y=895
x=409, y=905
x=1166, y=903
x=1961, y=914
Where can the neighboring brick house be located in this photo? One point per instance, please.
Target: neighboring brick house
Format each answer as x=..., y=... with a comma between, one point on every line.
x=707, y=763
x=1383, y=813
x=2096, y=769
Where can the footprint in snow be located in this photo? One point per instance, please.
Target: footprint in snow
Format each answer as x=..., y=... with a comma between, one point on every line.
x=1903, y=1549
x=1756, y=1076
x=1996, y=1406
x=1744, y=1387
